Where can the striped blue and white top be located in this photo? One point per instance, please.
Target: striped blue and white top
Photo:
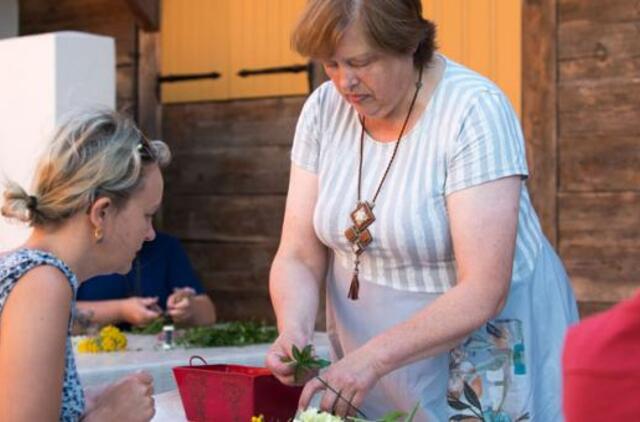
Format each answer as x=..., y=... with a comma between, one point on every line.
x=467, y=135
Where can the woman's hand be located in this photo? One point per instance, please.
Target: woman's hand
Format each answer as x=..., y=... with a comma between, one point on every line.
x=139, y=310
x=179, y=305
x=128, y=399
x=281, y=350
x=352, y=377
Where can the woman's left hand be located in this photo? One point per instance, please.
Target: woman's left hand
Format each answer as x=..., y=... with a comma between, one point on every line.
x=179, y=304
x=351, y=377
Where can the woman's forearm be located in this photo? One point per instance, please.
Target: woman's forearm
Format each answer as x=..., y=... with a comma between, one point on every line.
x=295, y=292
x=437, y=328
x=98, y=312
x=204, y=312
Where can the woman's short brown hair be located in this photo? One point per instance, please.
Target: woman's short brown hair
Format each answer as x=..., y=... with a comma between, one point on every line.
x=393, y=26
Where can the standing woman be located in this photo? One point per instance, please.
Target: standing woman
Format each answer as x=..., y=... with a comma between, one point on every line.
x=91, y=208
x=407, y=198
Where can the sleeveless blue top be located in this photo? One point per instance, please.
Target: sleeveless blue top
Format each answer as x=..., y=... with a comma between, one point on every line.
x=12, y=267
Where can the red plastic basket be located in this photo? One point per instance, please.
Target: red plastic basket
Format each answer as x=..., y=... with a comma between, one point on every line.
x=233, y=393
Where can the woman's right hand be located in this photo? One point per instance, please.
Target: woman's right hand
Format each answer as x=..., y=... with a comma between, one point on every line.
x=128, y=399
x=140, y=310
x=281, y=350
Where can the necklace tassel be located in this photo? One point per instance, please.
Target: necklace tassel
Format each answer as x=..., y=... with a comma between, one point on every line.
x=355, y=287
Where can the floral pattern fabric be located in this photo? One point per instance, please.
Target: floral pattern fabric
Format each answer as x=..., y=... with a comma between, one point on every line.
x=488, y=375
x=12, y=267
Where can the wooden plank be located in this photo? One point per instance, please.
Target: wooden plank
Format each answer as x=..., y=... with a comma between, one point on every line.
x=233, y=267
x=249, y=263
x=247, y=170
x=539, y=107
x=125, y=93
x=600, y=212
x=591, y=308
x=599, y=163
x=246, y=306
x=105, y=17
x=235, y=123
x=590, y=51
x=598, y=276
x=149, y=107
x=225, y=218
x=146, y=14
x=600, y=243
x=616, y=121
x=598, y=94
x=598, y=11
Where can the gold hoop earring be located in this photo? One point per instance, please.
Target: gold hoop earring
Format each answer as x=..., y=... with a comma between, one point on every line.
x=97, y=233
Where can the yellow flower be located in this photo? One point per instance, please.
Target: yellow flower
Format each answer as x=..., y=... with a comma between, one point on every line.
x=257, y=418
x=88, y=345
x=110, y=339
x=108, y=344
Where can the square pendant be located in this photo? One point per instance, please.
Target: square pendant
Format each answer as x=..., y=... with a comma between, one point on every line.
x=360, y=243
x=351, y=234
x=365, y=238
x=362, y=216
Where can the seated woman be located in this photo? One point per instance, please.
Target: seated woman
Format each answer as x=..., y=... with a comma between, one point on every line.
x=94, y=195
x=161, y=280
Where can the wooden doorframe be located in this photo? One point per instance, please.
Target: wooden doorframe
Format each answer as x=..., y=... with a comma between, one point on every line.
x=539, y=108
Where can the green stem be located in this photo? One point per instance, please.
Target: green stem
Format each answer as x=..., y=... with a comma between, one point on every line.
x=340, y=396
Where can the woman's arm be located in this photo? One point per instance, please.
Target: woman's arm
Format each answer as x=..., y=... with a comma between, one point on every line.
x=134, y=310
x=483, y=223
x=297, y=271
x=33, y=331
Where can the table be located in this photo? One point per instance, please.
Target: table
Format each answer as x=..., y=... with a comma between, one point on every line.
x=145, y=353
x=169, y=407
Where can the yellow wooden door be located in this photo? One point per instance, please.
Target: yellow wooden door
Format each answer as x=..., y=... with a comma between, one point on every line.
x=226, y=36
x=195, y=39
x=484, y=35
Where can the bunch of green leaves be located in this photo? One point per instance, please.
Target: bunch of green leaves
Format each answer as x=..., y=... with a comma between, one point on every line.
x=236, y=333
x=304, y=361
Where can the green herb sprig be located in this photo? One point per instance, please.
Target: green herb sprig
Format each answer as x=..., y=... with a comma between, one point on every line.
x=304, y=361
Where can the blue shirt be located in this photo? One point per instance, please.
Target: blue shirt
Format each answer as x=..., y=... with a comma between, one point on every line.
x=161, y=266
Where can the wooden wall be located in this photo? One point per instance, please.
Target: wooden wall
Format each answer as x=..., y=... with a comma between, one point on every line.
x=105, y=17
x=225, y=194
x=598, y=155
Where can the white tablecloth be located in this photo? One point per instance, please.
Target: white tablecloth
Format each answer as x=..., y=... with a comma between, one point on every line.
x=144, y=353
x=169, y=407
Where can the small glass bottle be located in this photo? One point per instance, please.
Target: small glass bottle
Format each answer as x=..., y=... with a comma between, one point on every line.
x=167, y=337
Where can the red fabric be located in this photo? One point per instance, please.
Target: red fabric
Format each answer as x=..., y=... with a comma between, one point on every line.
x=601, y=366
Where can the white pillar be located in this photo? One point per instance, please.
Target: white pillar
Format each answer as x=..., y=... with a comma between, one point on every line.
x=42, y=79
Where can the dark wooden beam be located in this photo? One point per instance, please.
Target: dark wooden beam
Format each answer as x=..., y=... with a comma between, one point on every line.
x=149, y=107
x=539, y=108
x=146, y=13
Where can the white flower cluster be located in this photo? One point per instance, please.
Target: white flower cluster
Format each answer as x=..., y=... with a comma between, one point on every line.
x=312, y=414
